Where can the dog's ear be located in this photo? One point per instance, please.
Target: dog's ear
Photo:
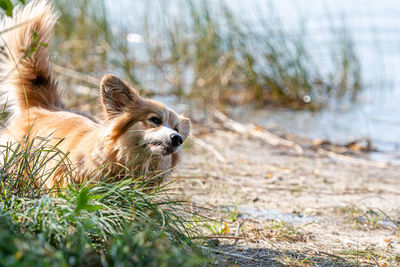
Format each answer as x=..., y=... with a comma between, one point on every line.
x=184, y=126
x=115, y=95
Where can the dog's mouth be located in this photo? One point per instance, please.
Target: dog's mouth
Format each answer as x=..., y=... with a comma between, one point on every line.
x=159, y=147
x=156, y=143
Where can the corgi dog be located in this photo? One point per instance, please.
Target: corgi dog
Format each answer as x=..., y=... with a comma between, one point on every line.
x=138, y=134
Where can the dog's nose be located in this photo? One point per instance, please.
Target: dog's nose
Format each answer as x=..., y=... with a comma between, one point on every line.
x=177, y=140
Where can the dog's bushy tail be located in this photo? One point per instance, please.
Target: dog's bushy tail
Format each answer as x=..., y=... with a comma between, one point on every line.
x=26, y=77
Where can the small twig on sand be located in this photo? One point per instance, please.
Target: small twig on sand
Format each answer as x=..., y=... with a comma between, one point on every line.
x=250, y=130
x=201, y=143
x=237, y=231
x=231, y=254
x=332, y=255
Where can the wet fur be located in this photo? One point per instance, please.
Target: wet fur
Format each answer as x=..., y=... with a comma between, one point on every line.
x=126, y=139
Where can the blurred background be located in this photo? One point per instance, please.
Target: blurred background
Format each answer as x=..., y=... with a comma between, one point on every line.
x=322, y=70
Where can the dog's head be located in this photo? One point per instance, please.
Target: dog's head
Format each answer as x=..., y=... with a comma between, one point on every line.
x=141, y=123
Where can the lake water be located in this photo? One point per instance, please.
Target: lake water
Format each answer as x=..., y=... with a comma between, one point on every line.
x=374, y=27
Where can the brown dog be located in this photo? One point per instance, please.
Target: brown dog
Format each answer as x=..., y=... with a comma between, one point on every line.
x=138, y=134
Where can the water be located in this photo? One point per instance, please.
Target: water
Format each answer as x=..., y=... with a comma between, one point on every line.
x=374, y=116
x=260, y=214
x=374, y=27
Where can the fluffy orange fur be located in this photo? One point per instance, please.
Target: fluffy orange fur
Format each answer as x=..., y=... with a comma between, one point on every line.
x=135, y=135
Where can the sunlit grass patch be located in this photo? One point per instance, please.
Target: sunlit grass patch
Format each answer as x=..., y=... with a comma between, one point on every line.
x=363, y=218
x=284, y=231
x=368, y=255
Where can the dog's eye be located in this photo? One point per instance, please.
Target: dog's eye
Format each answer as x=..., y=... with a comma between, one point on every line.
x=155, y=120
x=176, y=130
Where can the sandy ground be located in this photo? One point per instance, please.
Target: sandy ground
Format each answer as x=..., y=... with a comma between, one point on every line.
x=273, y=206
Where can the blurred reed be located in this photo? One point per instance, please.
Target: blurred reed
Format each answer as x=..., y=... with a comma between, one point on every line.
x=206, y=53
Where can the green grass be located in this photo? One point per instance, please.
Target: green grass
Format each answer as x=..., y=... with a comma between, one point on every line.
x=284, y=231
x=363, y=218
x=119, y=223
